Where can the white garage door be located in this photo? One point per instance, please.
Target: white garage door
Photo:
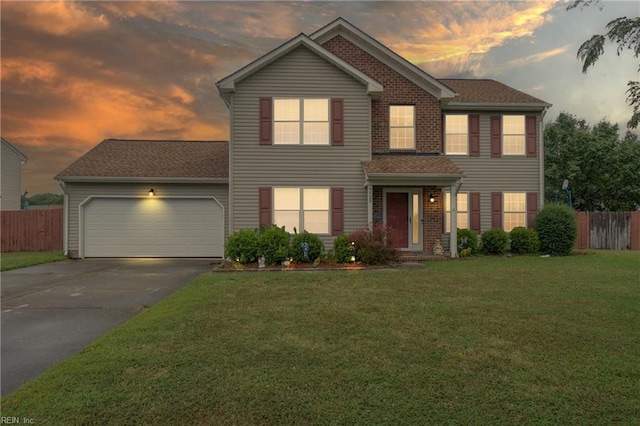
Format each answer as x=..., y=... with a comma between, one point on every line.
x=153, y=227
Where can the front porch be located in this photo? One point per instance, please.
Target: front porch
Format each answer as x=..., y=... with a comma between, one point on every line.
x=406, y=194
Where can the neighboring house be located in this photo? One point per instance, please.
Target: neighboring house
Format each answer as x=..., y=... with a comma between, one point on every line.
x=333, y=132
x=12, y=161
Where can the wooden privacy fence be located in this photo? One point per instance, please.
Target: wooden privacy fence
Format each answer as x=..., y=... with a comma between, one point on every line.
x=608, y=230
x=31, y=230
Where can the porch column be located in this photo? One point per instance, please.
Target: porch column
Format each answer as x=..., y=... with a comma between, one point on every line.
x=453, y=235
x=369, y=206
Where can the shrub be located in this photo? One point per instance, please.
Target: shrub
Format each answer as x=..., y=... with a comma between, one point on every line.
x=375, y=246
x=243, y=246
x=557, y=229
x=273, y=244
x=315, y=247
x=467, y=239
x=524, y=240
x=342, y=249
x=494, y=241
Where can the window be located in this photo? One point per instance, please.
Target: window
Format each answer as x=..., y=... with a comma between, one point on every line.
x=513, y=135
x=401, y=127
x=515, y=210
x=301, y=121
x=462, y=218
x=456, y=134
x=306, y=209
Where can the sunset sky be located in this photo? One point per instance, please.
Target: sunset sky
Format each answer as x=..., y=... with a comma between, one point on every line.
x=75, y=73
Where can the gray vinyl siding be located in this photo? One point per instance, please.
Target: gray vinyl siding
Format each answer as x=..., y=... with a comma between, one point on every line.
x=10, y=185
x=301, y=73
x=78, y=192
x=485, y=174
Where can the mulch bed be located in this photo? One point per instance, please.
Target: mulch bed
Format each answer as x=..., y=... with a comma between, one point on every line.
x=297, y=267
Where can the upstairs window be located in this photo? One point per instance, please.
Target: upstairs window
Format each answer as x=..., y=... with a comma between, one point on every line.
x=402, y=127
x=462, y=216
x=306, y=209
x=301, y=121
x=513, y=135
x=456, y=135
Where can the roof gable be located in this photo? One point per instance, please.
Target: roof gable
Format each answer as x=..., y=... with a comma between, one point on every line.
x=23, y=158
x=226, y=86
x=130, y=160
x=379, y=51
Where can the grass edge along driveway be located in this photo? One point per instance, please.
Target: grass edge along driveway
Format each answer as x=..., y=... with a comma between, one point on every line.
x=22, y=259
x=480, y=341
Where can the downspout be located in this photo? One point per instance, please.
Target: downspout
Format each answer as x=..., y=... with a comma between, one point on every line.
x=541, y=162
x=369, y=188
x=65, y=219
x=453, y=218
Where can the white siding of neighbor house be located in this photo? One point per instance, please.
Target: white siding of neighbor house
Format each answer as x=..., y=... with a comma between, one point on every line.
x=11, y=177
x=79, y=192
x=301, y=73
x=485, y=174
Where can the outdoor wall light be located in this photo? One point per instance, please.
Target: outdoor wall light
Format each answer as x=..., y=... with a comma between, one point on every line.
x=432, y=198
x=152, y=192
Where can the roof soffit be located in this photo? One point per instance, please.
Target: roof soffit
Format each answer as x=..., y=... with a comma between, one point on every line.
x=384, y=54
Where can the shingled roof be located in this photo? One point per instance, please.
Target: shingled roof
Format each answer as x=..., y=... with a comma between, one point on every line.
x=411, y=169
x=165, y=159
x=411, y=164
x=488, y=92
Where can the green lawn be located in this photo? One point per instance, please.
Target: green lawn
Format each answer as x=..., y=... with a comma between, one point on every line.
x=521, y=340
x=22, y=259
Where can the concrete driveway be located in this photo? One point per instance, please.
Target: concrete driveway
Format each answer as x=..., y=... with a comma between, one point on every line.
x=52, y=311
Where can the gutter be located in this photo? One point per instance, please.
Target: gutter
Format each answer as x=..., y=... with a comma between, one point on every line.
x=482, y=106
x=118, y=179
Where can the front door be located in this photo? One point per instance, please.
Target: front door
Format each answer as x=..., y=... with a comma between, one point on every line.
x=398, y=217
x=403, y=213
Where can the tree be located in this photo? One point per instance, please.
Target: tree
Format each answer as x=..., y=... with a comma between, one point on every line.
x=625, y=32
x=603, y=169
x=45, y=199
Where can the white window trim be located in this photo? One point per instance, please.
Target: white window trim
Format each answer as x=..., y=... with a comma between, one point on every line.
x=446, y=151
x=505, y=212
x=523, y=134
x=447, y=213
x=301, y=121
x=403, y=127
x=300, y=228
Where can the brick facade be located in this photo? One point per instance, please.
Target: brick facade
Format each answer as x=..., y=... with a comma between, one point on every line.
x=398, y=90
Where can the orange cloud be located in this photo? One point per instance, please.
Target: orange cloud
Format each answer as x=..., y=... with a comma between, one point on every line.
x=24, y=70
x=56, y=18
x=537, y=57
x=465, y=32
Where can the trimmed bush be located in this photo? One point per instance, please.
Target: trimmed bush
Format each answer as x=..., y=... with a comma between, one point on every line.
x=315, y=247
x=467, y=239
x=494, y=241
x=557, y=229
x=342, y=249
x=375, y=246
x=273, y=244
x=242, y=246
x=524, y=240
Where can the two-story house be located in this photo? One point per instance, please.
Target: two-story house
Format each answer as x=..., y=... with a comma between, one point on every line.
x=329, y=133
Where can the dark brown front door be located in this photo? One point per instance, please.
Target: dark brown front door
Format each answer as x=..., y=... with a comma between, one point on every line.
x=398, y=217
